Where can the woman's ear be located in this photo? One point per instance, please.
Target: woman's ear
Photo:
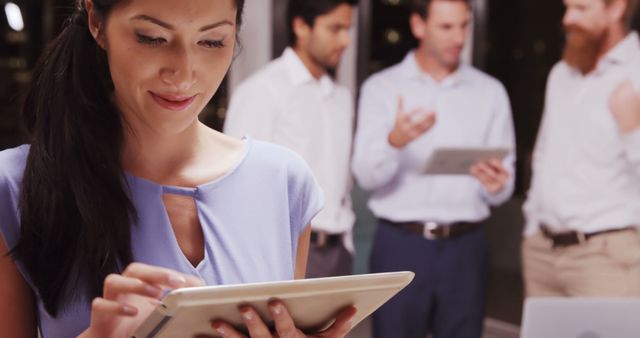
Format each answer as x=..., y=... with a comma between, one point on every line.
x=95, y=23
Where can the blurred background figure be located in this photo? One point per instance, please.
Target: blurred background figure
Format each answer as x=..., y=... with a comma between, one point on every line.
x=433, y=225
x=295, y=102
x=583, y=207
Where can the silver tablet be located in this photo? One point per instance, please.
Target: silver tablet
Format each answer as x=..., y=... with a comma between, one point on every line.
x=458, y=161
x=313, y=303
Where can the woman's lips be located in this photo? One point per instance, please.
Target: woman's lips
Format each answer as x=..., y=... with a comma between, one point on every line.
x=173, y=102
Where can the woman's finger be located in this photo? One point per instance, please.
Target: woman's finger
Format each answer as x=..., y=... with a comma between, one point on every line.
x=225, y=330
x=257, y=328
x=285, y=327
x=161, y=277
x=115, y=285
x=342, y=325
x=103, y=309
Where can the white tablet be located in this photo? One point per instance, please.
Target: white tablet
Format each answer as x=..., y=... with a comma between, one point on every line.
x=458, y=161
x=313, y=303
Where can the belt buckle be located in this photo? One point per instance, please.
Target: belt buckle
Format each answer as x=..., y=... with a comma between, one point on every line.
x=321, y=239
x=428, y=229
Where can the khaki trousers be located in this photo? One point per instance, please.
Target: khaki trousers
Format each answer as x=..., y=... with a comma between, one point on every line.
x=607, y=265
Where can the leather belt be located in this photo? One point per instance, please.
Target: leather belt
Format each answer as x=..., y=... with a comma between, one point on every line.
x=434, y=230
x=323, y=239
x=569, y=238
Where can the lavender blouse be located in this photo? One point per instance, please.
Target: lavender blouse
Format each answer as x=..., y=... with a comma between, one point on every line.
x=251, y=219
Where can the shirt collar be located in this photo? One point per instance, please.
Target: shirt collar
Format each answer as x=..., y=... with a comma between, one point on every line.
x=300, y=75
x=625, y=51
x=411, y=70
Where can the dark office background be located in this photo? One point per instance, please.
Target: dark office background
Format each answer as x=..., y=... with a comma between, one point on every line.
x=516, y=41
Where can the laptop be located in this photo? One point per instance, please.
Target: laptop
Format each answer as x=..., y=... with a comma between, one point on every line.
x=581, y=318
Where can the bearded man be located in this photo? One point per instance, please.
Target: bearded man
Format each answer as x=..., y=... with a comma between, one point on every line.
x=583, y=207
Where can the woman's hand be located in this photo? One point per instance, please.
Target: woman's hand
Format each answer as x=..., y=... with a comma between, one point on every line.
x=285, y=327
x=129, y=298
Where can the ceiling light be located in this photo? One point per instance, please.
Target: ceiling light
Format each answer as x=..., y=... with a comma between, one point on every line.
x=14, y=16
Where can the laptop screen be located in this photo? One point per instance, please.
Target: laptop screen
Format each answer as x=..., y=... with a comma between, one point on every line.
x=581, y=318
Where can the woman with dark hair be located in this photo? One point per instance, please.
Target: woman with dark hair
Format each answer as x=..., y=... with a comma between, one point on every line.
x=123, y=193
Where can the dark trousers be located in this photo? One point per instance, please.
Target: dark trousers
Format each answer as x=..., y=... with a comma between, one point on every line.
x=447, y=296
x=329, y=261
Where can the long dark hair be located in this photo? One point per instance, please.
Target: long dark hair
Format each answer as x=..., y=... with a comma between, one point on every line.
x=75, y=209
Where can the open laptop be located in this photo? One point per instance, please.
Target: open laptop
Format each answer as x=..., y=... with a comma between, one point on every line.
x=581, y=318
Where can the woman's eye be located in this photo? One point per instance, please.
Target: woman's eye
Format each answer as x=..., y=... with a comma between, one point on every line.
x=147, y=40
x=212, y=43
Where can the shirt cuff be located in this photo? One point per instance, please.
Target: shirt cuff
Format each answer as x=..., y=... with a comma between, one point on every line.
x=499, y=197
x=631, y=143
x=389, y=150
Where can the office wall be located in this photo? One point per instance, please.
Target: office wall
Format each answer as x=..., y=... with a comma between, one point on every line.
x=255, y=41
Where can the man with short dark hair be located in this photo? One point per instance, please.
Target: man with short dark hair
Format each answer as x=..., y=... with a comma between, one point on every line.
x=583, y=207
x=295, y=102
x=432, y=224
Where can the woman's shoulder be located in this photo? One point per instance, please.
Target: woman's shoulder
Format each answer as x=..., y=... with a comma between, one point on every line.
x=280, y=166
x=275, y=161
x=12, y=163
x=270, y=156
x=261, y=158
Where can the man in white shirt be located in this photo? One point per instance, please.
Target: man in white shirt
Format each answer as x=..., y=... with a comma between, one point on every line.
x=431, y=224
x=583, y=207
x=294, y=102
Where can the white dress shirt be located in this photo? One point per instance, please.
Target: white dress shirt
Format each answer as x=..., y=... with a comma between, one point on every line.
x=284, y=104
x=472, y=110
x=586, y=172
